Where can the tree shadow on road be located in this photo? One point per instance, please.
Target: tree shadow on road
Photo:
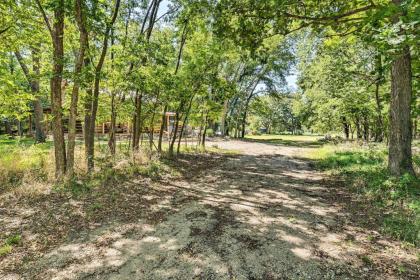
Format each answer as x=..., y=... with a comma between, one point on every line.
x=224, y=217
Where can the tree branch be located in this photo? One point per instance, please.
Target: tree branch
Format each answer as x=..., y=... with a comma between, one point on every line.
x=330, y=18
x=4, y=30
x=47, y=21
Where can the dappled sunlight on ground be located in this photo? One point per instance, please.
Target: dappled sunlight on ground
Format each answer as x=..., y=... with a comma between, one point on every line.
x=262, y=215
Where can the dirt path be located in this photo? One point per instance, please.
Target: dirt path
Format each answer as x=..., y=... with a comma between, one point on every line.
x=265, y=214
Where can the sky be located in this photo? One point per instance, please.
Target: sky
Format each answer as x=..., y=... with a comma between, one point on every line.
x=291, y=81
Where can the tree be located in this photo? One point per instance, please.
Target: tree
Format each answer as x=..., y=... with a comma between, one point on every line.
x=255, y=20
x=57, y=36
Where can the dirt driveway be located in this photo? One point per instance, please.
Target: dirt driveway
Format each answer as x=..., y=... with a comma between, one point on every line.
x=264, y=214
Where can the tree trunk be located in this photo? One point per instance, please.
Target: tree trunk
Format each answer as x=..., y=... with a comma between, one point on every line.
x=137, y=122
x=400, y=156
x=346, y=128
x=243, y=124
x=365, y=128
x=56, y=80
x=83, y=39
x=90, y=148
x=203, y=139
x=379, y=134
x=223, y=121
x=184, y=123
x=112, y=143
x=162, y=127
x=174, y=135
x=7, y=126
x=152, y=123
x=358, y=128
x=33, y=81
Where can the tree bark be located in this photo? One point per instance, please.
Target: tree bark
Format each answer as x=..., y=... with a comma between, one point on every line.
x=400, y=155
x=37, y=103
x=187, y=113
x=90, y=148
x=112, y=143
x=137, y=122
x=56, y=80
x=223, y=121
x=379, y=134
x=33, y=81
x=358, y=128
x=365, y=127
x=162, y=127
x=346, y=128
x=174, y=135
x=83, y=39
x=203, y=139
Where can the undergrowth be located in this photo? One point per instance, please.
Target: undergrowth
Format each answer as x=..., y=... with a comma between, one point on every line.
x=365, y=169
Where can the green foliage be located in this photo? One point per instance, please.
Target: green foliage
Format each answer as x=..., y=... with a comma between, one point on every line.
x=21, y=157
x=13, y=240
x=5, y=249
x=366, y=171
x=8, y=244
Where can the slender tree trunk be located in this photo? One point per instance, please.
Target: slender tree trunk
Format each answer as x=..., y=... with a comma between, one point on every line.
x=366, y=128
x=112, y=143
x=56, y=80
x=90, y=148
x=345, y=128
x=203, y=139
x=162, y=127
x=358, y=128
x=379, y=133
x=224, y=114
x=243, y=124
x=33, y=81
x=83, y=39
x=8, y=129
x=38, y=110
x=137, y=121
x=175, y=133
x=184, y=123
x=152, y=123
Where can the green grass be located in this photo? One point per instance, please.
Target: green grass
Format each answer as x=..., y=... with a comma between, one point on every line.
x=11, y=241
x=21, y=157
x=286, y=140
x=365, y=171
x=285, y=137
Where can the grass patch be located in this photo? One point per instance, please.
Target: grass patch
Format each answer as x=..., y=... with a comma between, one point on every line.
x=8, y=244
x=307, y=138
x=286, y=140
x=5, y=249
x=365, y=169
x=20, y=158
x=28, y=168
